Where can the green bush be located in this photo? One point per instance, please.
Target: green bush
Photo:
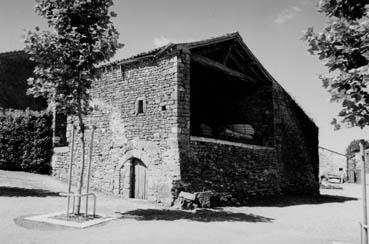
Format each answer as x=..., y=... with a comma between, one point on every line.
x=26, y=141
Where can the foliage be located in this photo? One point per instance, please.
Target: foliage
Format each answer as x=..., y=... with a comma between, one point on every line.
x=343, y=46
x=354, y=146
x=83, y=36
x=26, y=141
x=348, y=9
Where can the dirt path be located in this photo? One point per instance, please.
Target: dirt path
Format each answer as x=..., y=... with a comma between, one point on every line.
x=333, y=220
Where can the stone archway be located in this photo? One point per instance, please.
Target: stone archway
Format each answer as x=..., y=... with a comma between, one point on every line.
x=130, y=176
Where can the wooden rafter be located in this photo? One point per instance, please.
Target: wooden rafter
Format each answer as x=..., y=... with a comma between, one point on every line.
x=228, y=53
x=250, y=63
x=221, y=67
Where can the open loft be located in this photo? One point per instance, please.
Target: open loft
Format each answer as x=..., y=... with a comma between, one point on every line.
x=230, y=99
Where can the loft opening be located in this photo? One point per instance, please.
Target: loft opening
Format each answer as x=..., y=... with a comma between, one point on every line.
x=229, y=100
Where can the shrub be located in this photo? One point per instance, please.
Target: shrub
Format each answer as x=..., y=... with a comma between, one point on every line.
x=26, y=141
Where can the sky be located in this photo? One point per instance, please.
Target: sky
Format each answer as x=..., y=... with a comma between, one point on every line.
x=272, y=29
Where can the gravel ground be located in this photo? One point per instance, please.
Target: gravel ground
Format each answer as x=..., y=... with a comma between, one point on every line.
x=333, y=219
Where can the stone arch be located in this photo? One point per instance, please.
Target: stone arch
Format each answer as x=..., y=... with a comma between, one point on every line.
x=134, y=153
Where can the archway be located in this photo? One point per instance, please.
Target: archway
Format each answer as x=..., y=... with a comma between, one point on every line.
x=132, y=179
x=122, y=180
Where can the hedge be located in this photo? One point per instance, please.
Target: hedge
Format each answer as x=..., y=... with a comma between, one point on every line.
x=26, y=141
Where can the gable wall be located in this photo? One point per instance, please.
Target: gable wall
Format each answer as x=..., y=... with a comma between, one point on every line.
x=296, y=144
x=151, y=137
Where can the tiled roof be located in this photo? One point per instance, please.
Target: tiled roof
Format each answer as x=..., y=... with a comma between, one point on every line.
x=173, y=46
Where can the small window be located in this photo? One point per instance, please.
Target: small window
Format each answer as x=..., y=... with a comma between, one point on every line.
x=163, y=108
x=122, y=72
x=140, y=106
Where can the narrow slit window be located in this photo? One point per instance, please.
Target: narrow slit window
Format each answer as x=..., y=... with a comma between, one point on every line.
x=140, y=107
x=122, y=72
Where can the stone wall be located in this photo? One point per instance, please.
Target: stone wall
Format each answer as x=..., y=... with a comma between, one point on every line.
x=296, y=144
x=122, y=133
x=245, y=171
x=330, y=162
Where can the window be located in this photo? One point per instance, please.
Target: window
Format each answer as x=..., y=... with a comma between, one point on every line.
x=140, y=106
x=122, y=72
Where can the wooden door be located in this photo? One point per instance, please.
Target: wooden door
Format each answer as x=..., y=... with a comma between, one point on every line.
x=139, y=179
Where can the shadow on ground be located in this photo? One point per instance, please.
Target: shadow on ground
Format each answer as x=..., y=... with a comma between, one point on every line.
x=202, y=215
x=287, y=201
x=25, y=192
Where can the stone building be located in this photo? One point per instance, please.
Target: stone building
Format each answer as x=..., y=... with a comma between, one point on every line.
x=331, y=163
x=206, y=113
x=354, y=167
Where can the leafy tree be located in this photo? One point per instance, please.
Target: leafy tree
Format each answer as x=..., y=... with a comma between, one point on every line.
x=82, y=35
x=354, y=146
x=343, y=46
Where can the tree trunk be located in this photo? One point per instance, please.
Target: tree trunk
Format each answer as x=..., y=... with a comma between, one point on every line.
x=82, y=139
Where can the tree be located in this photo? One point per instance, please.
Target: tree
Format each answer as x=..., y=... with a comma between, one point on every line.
x=354, y=146
x=343, y=46
x=82, y=36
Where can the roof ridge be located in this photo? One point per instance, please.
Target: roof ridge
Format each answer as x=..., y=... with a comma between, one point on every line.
x=159, y=50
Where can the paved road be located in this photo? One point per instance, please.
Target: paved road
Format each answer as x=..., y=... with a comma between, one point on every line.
x=333, y=220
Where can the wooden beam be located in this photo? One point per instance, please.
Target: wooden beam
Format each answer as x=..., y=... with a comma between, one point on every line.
x=220, y=67
x=228, y=53
x=251, y=65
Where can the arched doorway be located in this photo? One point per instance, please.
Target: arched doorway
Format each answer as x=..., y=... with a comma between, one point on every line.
x=132, y=168
x=137, y=179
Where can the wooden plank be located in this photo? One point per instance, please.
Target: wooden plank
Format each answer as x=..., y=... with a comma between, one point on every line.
x=220, y=67
x=140, y=180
